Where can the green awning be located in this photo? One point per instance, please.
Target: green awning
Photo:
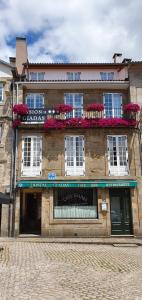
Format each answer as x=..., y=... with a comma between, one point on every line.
x=76, y=183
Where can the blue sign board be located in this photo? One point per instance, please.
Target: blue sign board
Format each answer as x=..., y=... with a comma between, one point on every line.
x=52, y=176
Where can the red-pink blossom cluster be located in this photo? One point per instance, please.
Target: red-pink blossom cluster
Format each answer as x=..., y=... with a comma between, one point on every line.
x=95, y=107
x=63, y=108
x=20, y=109
x=53, y=123
x=16, y=123
x=131, y=107
x=88, y=123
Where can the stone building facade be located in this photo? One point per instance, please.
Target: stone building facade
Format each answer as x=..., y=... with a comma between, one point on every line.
x=6, y=143
x=78, y=172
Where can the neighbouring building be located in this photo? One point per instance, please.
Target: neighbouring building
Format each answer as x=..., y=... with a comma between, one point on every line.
x=78, y=169
x=6, y=142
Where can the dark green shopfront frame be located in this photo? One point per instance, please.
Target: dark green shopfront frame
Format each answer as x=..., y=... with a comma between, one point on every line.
x=76, y=183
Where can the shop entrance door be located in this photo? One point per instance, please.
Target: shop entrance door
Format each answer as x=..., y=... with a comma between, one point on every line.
x=30, y=221
x=120, y=209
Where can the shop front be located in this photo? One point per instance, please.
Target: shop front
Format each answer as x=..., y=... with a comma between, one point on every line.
x=76, y=208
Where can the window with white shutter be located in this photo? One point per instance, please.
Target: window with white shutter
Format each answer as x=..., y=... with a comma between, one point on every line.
x=118, y=155
x=74, y=156
x=31, y=156
x=76, y=101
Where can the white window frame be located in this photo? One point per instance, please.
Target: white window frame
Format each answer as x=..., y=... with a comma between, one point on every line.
x=36, y=75
x=107, y=75
x=34, y=99
x=31, y=171
x=1, y=132
x=72, y=102
x=118, y=168
x=114, y=112
x=71, y=156
x=1, y=93
x=73, y=75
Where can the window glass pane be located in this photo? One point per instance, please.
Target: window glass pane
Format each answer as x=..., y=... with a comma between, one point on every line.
x=117, y=105
x=33, y=75
x=75, y=203
x=41, y=76
x=1, y=92
x=77, y=76
x=108, y=105
x=70, y=151
x=27, y=152
x=35, y=100
x=122, y=150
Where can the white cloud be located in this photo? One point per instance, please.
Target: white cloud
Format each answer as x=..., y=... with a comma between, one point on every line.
x=83, y=30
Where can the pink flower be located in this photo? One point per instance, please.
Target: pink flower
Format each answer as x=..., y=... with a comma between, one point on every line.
x=20, y=109
x=131, y=107
x=16, y=123
x=63, y=108
x=95, y=107
x=53, y=123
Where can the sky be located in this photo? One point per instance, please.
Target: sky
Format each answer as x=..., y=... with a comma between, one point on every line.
x=72, y=30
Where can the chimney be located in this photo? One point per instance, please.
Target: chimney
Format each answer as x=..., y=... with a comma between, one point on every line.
x=126, y=60
x=21, y=54
x=117, y=58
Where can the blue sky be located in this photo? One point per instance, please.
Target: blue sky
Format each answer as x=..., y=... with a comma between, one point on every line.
x=72, y=30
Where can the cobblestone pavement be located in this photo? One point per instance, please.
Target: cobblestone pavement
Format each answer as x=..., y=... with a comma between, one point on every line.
x=40, y=270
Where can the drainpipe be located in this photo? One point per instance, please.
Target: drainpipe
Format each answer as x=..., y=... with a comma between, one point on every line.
x=14, y=165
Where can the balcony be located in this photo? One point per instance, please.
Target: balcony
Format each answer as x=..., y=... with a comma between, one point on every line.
x=79, y=118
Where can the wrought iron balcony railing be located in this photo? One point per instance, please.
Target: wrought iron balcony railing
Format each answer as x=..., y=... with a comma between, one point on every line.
x=39, y=115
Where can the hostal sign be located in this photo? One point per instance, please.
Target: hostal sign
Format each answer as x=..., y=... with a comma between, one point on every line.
x=38, y=115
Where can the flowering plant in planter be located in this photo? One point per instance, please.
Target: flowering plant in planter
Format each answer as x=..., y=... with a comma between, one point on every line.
x=53, y=123
x=63, y=108
x=73, y=122
x=95, y=107
x=131, y=107
x=16, y=123
x=20, y=109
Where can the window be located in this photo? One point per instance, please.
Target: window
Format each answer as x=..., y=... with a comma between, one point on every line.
x=75, y=203
x=1, y=92
x=113, y=105
x=31, y=156
x=76, y=101
x=35, y=100
x=107, y=75
x=74, y=155
x=73, y=75
x=118, y=155
x=37, y=75
x=0, y=132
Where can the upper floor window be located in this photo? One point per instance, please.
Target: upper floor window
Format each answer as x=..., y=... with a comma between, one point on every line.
x=118, y=155
x=1, y=92
x=31, y=155
x=76, y=101
x=34, y=100
x=37, y=75
x=107, y=75
x=73, y=75
x=113, y=105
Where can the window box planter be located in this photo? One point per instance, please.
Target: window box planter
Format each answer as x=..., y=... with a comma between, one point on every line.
x=95, y=107
x=131, y=107
x=20, y=109
x=63, y=108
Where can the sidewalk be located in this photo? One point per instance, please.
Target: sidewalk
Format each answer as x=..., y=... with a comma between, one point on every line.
x=98, y=241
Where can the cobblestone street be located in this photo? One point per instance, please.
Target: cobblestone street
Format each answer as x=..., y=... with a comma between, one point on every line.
x=40, y=270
